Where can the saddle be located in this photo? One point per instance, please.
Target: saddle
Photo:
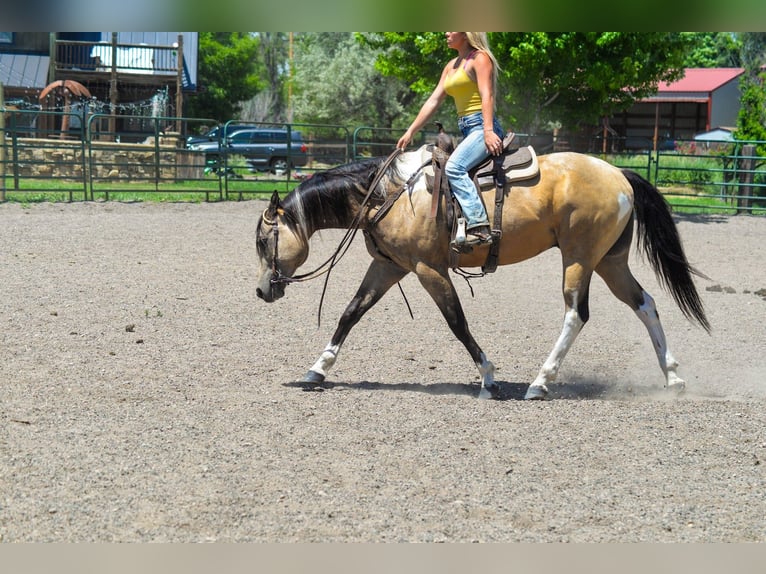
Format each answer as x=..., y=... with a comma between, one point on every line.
x=514, y=164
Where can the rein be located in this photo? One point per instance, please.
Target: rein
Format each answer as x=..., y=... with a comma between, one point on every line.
x=345, y=243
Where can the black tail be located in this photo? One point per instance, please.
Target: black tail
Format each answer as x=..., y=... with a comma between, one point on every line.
x=658, y=237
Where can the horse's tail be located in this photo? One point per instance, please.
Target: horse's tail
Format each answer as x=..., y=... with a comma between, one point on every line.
x=658, y=237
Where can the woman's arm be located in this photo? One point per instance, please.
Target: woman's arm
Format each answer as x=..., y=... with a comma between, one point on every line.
x=482, y=68
x=426, y=111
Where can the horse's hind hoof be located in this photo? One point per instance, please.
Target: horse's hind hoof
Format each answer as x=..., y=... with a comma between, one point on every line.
x=536, y=393
x=678, y=387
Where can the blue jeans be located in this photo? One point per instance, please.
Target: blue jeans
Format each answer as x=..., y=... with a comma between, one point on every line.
x=469, y=153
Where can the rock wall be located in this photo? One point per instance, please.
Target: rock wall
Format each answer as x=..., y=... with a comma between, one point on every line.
x=45, y=158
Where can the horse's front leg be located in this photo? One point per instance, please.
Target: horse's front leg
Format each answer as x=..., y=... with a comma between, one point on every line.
x=442, y=291
x=380, y=277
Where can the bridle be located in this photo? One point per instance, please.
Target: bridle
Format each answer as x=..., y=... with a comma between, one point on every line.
x=279, y=278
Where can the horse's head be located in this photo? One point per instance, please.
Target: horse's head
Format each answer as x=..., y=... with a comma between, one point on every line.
x=281, y=250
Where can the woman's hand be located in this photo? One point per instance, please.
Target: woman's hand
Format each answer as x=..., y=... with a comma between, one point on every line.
x=404, y=141
x=493, y=142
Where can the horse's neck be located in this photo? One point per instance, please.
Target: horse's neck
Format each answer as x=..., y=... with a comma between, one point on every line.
x=315, y=214
x=332, y=199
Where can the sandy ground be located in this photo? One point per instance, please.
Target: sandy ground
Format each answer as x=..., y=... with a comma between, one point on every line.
x=146, y=395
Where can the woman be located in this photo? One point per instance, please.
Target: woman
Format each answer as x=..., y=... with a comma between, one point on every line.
x=470, y=78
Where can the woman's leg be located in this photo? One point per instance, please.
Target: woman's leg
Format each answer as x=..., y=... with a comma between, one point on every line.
x=469, y=152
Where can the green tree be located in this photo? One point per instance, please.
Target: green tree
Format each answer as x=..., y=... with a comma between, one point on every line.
x=753, y=51
x=270, y=103
x=335, y=82
x=565, y=77
x=228, y=73
x=751, y=121
x=579, y=77
x=713, y=50
x=416, y=59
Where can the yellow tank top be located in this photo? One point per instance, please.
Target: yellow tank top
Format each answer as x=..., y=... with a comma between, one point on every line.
x=465, y=92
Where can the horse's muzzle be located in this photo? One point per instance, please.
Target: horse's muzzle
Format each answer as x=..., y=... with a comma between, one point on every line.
x=272, y=293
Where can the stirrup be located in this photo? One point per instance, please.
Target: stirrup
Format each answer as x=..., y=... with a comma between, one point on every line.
x=478, y=238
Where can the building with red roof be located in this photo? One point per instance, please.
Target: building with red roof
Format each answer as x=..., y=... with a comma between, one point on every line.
x=703, y=100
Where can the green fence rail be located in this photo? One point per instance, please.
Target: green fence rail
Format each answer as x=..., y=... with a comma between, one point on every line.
x=76, y=156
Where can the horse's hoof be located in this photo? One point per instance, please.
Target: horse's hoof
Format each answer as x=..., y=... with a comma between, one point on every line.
x=678, y=387
x=492, y=392
x=312, y=378
x=536, y=393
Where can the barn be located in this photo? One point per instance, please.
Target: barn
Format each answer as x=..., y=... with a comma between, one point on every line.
x=703, y=99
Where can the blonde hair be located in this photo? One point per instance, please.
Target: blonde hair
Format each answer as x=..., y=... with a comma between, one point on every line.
x=478, y=41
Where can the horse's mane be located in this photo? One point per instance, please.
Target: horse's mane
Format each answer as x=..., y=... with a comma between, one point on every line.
x=323, y=200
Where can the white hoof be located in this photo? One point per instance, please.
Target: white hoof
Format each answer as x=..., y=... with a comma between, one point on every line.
x=678, y=386
x=484, y=394
x=536, y=393
x=493, y=392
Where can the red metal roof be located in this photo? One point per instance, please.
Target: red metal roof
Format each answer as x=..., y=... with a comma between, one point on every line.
x=704, y=80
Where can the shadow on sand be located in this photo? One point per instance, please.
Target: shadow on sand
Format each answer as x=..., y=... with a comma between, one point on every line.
x=509, y=391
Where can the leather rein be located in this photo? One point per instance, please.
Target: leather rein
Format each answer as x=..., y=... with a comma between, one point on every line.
x=279, y=278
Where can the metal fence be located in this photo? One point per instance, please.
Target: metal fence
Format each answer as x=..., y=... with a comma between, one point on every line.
x=143, y=157
x=722, y=176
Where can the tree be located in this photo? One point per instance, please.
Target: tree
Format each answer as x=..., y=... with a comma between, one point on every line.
x=335, y=82
x=564, y=77
x=753, y=51
x=751, y=121
x=713, y=50
x=270, y=103
x=416, y=59
x=580, y=77
x=229, y=73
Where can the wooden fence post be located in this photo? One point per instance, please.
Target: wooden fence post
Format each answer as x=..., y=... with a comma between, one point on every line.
x=180, y=83
x=2, y=143
x=745, y=188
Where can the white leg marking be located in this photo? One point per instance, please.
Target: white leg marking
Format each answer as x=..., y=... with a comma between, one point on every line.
x=649, y=317
x=326, y=360
x=572, y=326
x=487, y=372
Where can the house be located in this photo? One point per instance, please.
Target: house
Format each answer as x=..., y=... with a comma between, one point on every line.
x=133, y=73
x=700, y=101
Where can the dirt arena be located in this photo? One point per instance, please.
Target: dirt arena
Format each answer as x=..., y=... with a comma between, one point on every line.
x=146, y=395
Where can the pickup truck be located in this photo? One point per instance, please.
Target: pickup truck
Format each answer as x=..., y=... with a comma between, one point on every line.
x=263, y=149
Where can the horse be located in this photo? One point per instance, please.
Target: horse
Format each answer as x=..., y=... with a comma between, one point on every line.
x=581, y=204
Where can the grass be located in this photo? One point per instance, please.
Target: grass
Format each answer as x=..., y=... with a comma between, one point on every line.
x=691, y=183
x=209, y=189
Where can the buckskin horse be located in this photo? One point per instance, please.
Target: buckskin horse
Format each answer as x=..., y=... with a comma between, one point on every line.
x=581, y=204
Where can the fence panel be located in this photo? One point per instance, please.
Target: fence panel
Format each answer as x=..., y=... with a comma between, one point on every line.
x=76, y=155
x=158, y=165
x=39, y=157
x=712, y=175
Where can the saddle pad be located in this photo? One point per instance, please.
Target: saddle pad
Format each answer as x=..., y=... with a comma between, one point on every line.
x=518, y=165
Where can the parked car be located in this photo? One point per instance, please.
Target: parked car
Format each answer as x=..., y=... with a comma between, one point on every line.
x=216, y=133
x=263, y=149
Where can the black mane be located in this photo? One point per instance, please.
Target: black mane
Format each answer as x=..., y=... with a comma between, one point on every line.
x=325, y=200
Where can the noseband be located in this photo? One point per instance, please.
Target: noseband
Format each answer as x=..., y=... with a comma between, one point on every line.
x=277, y=277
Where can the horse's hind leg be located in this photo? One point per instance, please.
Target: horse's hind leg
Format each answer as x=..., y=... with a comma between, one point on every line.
x=616, y=273
x=380, y=277
x=442, y=291
x=576, y=287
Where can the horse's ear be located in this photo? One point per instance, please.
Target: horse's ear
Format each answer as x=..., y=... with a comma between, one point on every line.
x=273, y=205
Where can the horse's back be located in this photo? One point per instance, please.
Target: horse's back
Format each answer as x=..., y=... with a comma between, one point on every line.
x=584, y=181
x=579, y=203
